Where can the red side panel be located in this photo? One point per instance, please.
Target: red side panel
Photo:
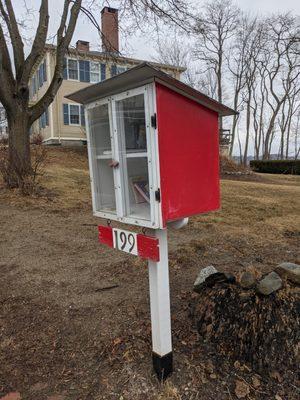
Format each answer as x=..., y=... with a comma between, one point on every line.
x=148, y=247
x=106, y=235
x=189, y=156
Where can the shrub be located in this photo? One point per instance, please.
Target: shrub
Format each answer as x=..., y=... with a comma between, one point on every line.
x=14, y=176
x=229, y=166
x=276, y=166
x=37, y=139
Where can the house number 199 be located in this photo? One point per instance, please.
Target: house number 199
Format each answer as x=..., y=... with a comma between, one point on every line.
x=125, y=241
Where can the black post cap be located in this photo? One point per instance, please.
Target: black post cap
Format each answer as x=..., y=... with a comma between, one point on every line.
x=163, y=365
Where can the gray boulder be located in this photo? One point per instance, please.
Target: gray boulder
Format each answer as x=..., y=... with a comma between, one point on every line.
x=209, y=276
x=290, y=271
x=269, y=284
x=247, y=280
x=203, y=274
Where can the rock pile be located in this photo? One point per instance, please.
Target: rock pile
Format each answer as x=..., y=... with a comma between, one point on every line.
x=230, y=167
x=251, y=320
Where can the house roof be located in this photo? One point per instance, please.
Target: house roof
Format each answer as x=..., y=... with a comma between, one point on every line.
x=140, y=75
x=115, y=58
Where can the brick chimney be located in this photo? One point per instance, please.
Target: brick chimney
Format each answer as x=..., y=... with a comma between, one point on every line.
x=110, y=30
x=81, y=45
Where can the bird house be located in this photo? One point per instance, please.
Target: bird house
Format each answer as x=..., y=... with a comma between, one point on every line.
x=153, y=145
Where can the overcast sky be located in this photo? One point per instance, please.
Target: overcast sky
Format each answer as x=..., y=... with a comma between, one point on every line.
x=142, y=46
x=139, y=45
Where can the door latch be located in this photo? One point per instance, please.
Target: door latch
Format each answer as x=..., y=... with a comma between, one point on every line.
x=157, y=195
x=154, y=121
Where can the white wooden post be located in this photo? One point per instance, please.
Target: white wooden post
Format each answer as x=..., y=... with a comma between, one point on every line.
x=160, y=309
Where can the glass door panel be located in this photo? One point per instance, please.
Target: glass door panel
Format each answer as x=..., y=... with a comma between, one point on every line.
x=100, y=128
x=101, y=154
x=138, y=185
x=131, y=126
x=133, y=115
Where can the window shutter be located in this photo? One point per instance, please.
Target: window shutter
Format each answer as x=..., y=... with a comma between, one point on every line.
x=103, y=72
x=84, y=71
x=66, y=114
x=38, y=76
x=36, y=82
x=44, y=71
x=46, y=117
x=113, y=70
x=82, y=115
x=87, y=71
x=41, y=76
x=81, y=70
x=65, y=72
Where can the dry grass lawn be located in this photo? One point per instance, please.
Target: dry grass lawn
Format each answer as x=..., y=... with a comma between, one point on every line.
x=60, y=333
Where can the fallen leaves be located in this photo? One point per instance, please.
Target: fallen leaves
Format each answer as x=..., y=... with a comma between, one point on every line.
x=276, y=375
x=117, y=341
x=241, y=389
x=255, y=382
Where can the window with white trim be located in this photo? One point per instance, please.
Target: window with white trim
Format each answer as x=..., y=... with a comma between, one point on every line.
x=84, y=70
x=74, y=114
x=73, y=69
x=95, y=72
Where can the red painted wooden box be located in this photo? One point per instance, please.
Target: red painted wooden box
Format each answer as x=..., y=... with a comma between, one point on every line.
x=153, y=147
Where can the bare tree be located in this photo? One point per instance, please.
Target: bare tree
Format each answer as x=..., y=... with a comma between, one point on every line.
x=258, y=113
x=213, y=29
x=175, y=51
x=294, y=106
x=14, y=81
x=288, y=110
x=207, y=83
x=296, y=134
x=281, y=63
x=16, y=70
x=260, y=58
x=242, y=65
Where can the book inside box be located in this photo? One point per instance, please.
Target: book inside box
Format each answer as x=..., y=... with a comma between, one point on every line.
x=140, y=188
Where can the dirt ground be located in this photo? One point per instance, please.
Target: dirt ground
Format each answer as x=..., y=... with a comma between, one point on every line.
x=62, y=333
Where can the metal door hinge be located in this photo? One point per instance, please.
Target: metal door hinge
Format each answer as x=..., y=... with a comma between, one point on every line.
x=153, y=121
x=157, y=195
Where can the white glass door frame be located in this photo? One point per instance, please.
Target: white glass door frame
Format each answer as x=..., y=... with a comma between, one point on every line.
x=121, y=189
x=143, y=90
x=92, y=156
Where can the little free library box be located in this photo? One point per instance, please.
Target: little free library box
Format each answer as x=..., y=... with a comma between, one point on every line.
x=153, y=146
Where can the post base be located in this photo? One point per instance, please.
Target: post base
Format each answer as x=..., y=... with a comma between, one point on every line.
x=163, y=365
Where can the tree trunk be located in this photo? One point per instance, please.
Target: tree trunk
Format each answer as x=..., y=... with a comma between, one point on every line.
x=248, y=120
x=233, y=129
x=19, y=148
x=266, y=154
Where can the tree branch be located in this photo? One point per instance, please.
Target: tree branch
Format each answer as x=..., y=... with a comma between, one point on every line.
x=39, y=42
x=16, y=40
x=63, y=42
x=7, y=81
